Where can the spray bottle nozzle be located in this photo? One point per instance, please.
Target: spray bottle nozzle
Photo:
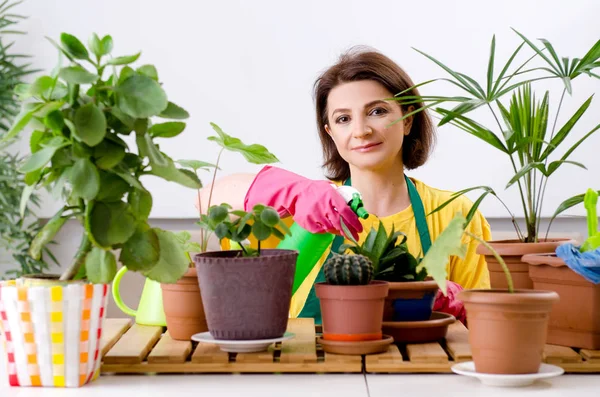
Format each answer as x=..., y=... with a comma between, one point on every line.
x=357, y=206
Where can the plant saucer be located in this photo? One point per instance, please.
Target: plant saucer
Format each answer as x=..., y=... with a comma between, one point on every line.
x=356, y=347
x=419, y=331
x=241, y=346
x=507, y=380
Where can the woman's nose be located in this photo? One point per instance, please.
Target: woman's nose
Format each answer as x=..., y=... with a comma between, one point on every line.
x=361, y=128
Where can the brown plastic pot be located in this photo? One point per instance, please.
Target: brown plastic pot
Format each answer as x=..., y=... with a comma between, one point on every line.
x=410, y=301
x=352, y=312
x=512, y=252
x=574, y=321
x=183, y=307
x=507, y=331
x=246, y=298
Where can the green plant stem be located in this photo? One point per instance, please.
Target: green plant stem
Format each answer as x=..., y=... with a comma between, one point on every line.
x=84, y=247
x=212, y=184
x=509, y=280
x=515, y=170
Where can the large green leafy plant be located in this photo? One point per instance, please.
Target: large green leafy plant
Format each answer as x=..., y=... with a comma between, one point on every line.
x=79, y=115
x=523, y=129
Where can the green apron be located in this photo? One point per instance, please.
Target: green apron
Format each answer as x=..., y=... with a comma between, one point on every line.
x=312, y=306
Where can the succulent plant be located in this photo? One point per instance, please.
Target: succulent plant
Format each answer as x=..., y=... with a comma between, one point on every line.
x=348, y=269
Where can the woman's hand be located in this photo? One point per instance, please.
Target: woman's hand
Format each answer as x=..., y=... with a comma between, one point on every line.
x=449, y=303
x=314, y=205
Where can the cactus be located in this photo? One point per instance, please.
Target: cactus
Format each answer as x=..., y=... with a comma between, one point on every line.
x=348, y=269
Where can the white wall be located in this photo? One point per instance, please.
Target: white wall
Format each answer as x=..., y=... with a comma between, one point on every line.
x=249, y=66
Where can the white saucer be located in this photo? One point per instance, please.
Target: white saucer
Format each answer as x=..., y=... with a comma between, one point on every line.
x=240, y=346
x=546, y=371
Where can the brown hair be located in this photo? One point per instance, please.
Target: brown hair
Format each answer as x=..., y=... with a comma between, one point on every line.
x=367, y=64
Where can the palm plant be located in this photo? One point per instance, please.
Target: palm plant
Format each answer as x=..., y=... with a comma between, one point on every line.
x=522, y=129
x=18, y=226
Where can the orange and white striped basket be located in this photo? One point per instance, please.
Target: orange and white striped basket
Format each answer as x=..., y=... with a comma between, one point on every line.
x=51, y=333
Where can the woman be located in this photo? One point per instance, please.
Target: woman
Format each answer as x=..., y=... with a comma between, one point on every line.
x=362, y=146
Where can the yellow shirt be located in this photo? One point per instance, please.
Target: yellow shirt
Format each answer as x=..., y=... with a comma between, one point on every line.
x=470, y=272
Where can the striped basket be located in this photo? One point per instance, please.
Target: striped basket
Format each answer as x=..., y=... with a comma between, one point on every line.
x=51, y=333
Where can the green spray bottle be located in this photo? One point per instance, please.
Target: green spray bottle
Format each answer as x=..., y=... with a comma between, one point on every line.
x=311, y=246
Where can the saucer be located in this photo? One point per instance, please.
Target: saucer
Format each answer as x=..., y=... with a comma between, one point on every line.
x=419, y=331
x=356, y=347
x=240, y=346
x=502, y=380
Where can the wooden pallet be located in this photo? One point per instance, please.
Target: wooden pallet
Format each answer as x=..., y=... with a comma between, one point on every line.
x=128, y=348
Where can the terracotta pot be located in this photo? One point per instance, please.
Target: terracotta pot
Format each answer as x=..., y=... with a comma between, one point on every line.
x=574, y=321
x=246, y=297
x=512, y=251
x=507, y=331
x=410, y=301
x=352, y=312
x=183, y=307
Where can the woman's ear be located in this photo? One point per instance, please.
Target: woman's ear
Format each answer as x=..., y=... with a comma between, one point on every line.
x=408, y=121
x=327, y=129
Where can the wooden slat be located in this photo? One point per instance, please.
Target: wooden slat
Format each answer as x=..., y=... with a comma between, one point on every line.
x=209, y=353
x=169, y=350
x=302, y=348
x=554, y=354
x=342, y=363
x=457, y=342
x=134, y=346
x=590, y=355
x=258, y=357
x=112, y=330
x=426, y=353
x=383, y=361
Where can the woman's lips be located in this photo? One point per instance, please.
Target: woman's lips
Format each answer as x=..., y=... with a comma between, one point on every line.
x=367, y=147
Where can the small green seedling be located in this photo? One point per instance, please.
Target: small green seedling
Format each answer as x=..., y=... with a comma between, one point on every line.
x=590, y=202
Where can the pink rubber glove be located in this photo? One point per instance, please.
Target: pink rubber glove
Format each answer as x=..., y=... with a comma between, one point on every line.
x=314, y=205
x=449, y=303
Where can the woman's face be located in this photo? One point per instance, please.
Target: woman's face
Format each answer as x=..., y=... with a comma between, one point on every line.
x=359, y=119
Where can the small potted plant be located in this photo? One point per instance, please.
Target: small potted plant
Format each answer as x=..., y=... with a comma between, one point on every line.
x=519, y=127
x=351, y=302
x=182, y=301
x=246, y=293
x=574, y=273
x=413, y=284
x=79, y=115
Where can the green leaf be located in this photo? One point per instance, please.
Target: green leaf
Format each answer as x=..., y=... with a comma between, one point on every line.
x=490, y=73
x=148, y=70
x=141, y=203
x=142, y=251
x=54, y=120
x=147, y=148
x=108, y=154
x=172, y=263
x=46, y=234
x=284, y=228
x=269, y=217
x=79, y=150
x=112, y=187
x=553, y=166
x=475, y=129
x=174, y=112
x=90, y=124
x=85, y=179
x=25, y=195
x=40, y=158
x=566, y=129
x=217, y=214
x=260, y=230
x=221, y=231
x=96, y=45
x=127, y=177
x=525, y=171
x=35, y=140
x=141, y=97
x=73, y=46
x=100, y=266
x=110, y=223
x=167, y=130
x=77, y=75
x=448, y=243
x=255, y=153
x=568, y=203
x=243, y=221
x=126, y=72
x=456, y=195
x=107, y=44
x=173, y=174
x=195, y=164
x=19, y=123
x=124, y=60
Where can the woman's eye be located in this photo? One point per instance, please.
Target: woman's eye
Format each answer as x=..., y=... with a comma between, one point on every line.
x=378, y=111
x=342, y=119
